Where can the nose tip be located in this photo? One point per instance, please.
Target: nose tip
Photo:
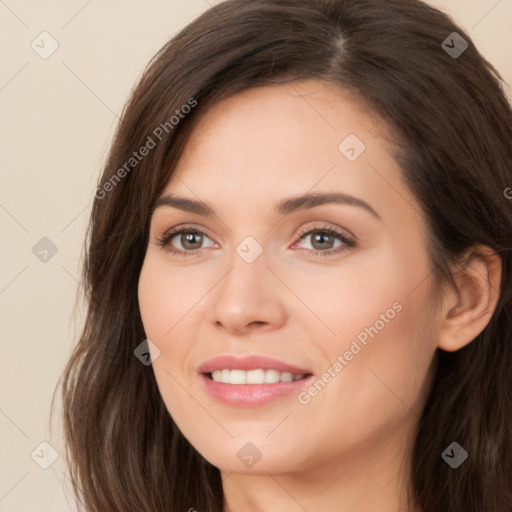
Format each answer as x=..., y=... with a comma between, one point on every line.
x=239, y=322
x=248, y=298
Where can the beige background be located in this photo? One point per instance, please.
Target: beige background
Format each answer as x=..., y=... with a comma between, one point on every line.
x=57, y=118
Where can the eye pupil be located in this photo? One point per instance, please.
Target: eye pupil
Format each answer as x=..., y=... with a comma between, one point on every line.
x=187, y=238
x=320, y=237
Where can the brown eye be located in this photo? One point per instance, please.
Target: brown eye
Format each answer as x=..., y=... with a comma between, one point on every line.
x=191, y=240
x=184, y=241
x=325, y=241
x=322, y=240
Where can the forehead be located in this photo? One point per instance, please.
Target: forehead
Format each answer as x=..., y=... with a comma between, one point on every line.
x=290, y=119
x=284, y=140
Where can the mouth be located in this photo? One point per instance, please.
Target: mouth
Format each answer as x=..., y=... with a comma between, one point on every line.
x=255, y=376
x=253, y=380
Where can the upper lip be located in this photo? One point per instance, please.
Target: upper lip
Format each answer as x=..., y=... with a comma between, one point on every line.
x=254, y=362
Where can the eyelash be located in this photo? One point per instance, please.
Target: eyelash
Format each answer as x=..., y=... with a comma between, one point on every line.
x=348, y=242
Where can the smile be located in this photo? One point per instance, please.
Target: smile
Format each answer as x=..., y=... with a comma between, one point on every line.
x=256, y=376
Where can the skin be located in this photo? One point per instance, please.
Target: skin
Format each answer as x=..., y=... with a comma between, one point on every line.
x=348, y=448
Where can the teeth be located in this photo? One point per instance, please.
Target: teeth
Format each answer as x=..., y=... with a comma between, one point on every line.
x=258, y=376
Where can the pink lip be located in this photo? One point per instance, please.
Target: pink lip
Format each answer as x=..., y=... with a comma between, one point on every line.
x=250, y=395
x=248, y=363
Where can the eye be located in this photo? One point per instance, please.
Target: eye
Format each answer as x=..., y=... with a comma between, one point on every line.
x=323, y=241
x=189, y=241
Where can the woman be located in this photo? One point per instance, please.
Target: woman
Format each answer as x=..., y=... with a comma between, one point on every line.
x=298, y=271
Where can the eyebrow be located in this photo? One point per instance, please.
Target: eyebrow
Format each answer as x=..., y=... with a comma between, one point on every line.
x=284, y=207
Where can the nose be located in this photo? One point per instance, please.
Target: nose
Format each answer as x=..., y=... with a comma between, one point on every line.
x=248, y=297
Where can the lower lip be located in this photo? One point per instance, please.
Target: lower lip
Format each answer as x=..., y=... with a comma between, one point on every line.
x=250, y=395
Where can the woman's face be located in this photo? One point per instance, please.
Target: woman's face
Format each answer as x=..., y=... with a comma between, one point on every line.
x=259, y=275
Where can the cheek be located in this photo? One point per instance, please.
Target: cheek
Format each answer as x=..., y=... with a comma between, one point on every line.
x=164, y=299
x=385, y=362
x=169, y=303
x=165, y=296
x=384, y=343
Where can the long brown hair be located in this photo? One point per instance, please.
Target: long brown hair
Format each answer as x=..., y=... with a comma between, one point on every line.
x=452, y=126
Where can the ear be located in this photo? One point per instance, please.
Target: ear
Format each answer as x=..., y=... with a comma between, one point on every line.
x=468, y=310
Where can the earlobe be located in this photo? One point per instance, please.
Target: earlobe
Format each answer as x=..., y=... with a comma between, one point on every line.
x=469, y=309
